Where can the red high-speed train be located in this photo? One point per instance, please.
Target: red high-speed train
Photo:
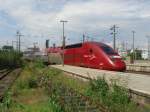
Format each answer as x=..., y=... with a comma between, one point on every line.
x=93, y=55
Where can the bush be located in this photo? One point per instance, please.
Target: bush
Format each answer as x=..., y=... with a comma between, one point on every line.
x=38, y=63
x=27, y=83
x=32, y=82
x=10, y=58
x=21, y=84
x=115, y=98
x=6, y=102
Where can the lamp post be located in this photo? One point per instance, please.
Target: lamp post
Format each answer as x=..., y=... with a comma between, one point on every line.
x=63, y=42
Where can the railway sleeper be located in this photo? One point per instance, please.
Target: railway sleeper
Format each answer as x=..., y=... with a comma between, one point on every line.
x=71, y=100
x=7, y=80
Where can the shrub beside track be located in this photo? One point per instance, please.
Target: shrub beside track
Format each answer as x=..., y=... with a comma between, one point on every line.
x=10, y=59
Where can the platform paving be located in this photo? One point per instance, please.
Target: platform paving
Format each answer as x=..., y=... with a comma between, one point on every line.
x=135, y=82
x=138, y=67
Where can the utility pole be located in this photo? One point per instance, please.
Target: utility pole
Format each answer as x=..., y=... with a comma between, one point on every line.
x=13, y=43
x=87, y=38
x=92, y=39
x=83, y=40
x=126, y=45
x=133, y=32
x=34, y=44
x=63, y=42
x=148, y=37
x=7, y=42
x=149, y=48
x=114, y=35
x=18, y=40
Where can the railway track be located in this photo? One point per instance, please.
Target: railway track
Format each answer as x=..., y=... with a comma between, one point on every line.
x=138, y=72
x=79, y=102
x=73, y=101
x=4, y=73
x=7, y=77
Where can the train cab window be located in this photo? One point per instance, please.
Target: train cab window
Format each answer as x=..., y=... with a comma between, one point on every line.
x=79, y=45
x=107, y=49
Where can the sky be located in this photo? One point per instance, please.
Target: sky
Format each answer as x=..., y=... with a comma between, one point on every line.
x=38, y=20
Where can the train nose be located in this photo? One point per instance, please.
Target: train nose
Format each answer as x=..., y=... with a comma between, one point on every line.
x=120, y=65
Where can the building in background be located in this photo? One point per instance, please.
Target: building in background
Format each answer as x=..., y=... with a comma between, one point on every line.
x=34, y=53
x=122, y=51
x=145, y=54
x=7, y=47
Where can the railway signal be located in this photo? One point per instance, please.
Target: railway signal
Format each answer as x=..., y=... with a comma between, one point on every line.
x=63, y=42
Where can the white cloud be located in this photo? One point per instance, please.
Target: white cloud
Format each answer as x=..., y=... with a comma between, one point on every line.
x=93, y=16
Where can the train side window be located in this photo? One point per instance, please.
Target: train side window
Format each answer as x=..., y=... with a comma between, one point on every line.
x=91, y=51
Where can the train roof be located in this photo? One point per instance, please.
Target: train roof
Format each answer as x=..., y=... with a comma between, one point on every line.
x=77, y=45
x=80, y=44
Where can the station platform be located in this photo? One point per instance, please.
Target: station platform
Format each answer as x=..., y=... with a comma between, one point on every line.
x=139, y=65
x=142, y=67
x=138, y=83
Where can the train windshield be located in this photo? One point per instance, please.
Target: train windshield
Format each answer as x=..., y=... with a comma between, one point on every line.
x=108, y=50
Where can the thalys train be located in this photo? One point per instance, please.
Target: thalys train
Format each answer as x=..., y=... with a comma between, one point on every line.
x=88, y=54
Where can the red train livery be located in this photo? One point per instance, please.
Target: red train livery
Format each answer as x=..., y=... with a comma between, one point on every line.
x=93, y=55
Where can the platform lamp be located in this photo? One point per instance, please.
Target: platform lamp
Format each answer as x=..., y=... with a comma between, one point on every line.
x=63, y=42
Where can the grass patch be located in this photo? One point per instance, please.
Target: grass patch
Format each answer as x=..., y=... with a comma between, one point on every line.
x=26, y=95
x=33, y=100
x=114, y=98
x=38, y=90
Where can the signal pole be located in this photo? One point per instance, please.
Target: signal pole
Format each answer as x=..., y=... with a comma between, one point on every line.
x=63, y=42
x=114, y=35
x=18, y=40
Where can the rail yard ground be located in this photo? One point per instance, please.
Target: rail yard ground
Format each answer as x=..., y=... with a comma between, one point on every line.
x=43, y=89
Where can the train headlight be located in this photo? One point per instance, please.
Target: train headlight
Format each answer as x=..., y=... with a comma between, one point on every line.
x=116, y=57
x=113, y=58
